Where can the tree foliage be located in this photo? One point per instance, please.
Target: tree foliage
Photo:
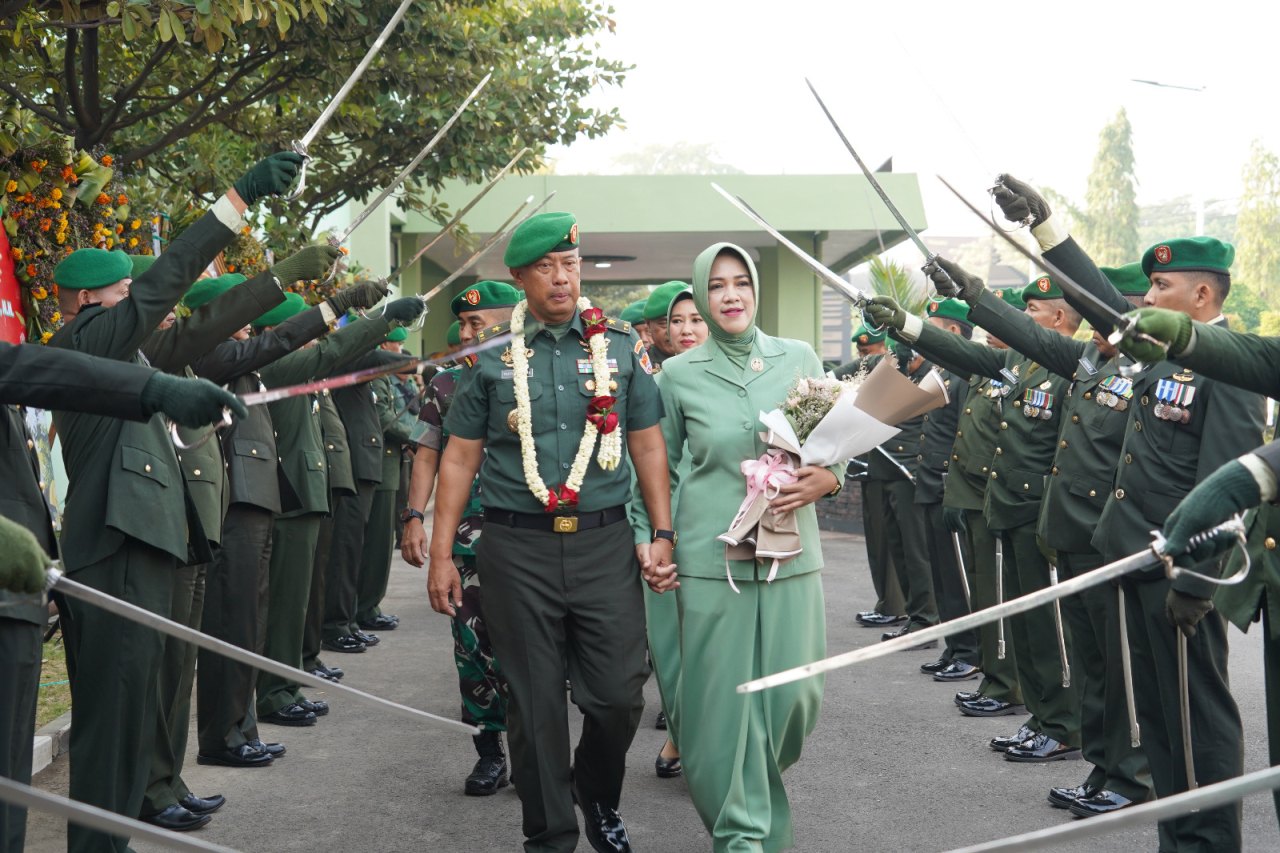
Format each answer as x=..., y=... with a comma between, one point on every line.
x=1257, y=264
x=890, y=278
x=189, y=95
x=1109, y=226
x=677, y=158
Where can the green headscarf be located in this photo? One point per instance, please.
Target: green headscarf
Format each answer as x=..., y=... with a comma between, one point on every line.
x=736, y=347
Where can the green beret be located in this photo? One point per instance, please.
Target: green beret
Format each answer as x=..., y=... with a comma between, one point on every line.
x=485, y=294
x=634, y=313
x=1207, y=254
x=454, y=335
x=660, y=299
x=951, y=309
x=141, y=263
x=293, y=304
x=398, y=335
x=1011, y=295
x=1042, y=288
x=538, y=235
x=90, y=269
x=206, y=289
x=1128, y=279
x=865, y=336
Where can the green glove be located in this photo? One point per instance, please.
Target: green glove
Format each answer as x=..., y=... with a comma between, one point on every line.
x=884, y=311
x=405, y=310
x=363, y=295
x=1169, y=327
x=953, y=518
x=951, y=281
x=1184, y=611
x=1018, y=201
x=23, y=566
x=271, y=176
x=307, y=264
x=1229, y=490
x=189, y=402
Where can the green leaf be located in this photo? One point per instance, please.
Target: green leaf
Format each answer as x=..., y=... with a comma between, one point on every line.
x=166, y=29
x=113, y=9
x=129, y=26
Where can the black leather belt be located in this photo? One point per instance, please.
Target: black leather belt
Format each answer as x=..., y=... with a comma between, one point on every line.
x=556, y=523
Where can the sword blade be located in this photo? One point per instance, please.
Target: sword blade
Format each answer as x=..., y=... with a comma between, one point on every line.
x=453, y=223
x=15, y=793
x=1184, y=710
x=134, y=613
x=964, y=576
x=884, y=197
x=844, y=288
x=1062, y=637
x=1126, y=667
x=413, y=164
x=259, y=397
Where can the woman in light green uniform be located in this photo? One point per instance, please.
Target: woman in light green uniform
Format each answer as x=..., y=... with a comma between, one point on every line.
x=735, y=746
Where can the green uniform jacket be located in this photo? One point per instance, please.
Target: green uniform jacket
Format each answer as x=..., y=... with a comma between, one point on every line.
x=975, y=445
x=335, y=445
x=124, y=477
x=1026, y=445
x=715, y=407
x=1162, y=460
x=898, y=448
x=1084, y=468
x=394, y=432
x=187, y=340
x=936, y=438
x=299, y=434
x=356, y=404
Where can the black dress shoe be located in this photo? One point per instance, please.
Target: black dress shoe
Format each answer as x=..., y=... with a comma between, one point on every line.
x=275, y=750
x=320, y=673
x=1103, y=802
x=490, y=772
x=874, y=619
x=605, y=829
x=320, y=709
x=902, y=632
x=290, y=715
x=988, y=707
x=937, y=666
x=1064, y=798
x=1042, y=748
x=967, y=696
x=958, y=670
x=345, y=643
x=379, y=623
x=668, y=768
x=332, y=671
x=244, y=755
x=177, y=819
x=202, y=805
x=1002, y=744
x=367, y=639
x=661, y=722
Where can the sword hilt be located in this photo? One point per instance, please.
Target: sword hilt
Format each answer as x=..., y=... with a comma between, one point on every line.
x=1234, y=526
x=299, y=147
x=178, y=442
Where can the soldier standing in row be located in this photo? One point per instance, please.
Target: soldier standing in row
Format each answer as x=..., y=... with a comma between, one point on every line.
x=655, y=317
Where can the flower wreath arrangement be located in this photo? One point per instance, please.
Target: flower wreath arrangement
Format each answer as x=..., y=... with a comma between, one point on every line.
x=602, y=419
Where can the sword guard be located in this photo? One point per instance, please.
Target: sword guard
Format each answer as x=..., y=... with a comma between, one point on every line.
x=178, y=443
x=299, y=148
x=52, y=576
x=1234, y=525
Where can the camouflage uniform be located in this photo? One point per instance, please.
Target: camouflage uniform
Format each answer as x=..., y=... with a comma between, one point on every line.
x=480, y=680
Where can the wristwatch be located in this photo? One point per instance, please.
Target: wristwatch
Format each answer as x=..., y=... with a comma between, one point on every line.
x=412, y=513
x=669, y=535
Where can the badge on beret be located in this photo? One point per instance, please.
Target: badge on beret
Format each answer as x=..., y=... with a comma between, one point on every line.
x=933, y=307
x=1164, y=254
x=1044, y=285
x=472, y=297
x=862, y=339
x=573, y=233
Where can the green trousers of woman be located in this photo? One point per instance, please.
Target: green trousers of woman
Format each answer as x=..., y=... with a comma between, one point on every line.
x=734, y=746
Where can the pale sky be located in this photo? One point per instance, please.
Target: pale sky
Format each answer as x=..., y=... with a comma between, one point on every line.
x=1030, y=85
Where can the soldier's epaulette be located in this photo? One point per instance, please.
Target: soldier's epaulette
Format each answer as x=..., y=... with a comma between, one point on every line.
x=621, y=326
x=469, y=360
x=491, y=331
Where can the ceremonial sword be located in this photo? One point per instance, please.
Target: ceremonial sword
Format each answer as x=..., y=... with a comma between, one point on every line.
x=955, y=541
x=1126, y=668
x=1000, y=597
x=300, y=145
x=56, y=581
x=1030, y=601
x=1062, y=637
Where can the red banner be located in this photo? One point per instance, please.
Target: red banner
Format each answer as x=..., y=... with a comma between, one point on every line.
x=13, y=323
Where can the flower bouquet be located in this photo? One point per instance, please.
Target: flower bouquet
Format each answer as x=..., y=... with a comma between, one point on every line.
x=822, y=422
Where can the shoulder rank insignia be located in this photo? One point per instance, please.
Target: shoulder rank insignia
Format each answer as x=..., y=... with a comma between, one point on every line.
x=491, y=331
x=618, y=326
x=469, y=361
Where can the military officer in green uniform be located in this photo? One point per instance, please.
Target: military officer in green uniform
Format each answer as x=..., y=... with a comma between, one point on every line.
x=1031, y=412
x=1080, y=480
x=634, y=314
x=655, y=315
x=557, y=564
x=1184, y=427
x=113, y=468
x=45, y=378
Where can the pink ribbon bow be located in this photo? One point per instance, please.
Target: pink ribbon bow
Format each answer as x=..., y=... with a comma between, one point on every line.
x=766, y=475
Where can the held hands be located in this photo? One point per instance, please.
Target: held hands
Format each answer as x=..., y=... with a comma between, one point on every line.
x=189, y=402
x=885, y=311
x=363, y=295
x=656, y=567
x=444, y=585
x=1169, y=327
x=1018, y=201
x=811, y=483
x=271, y=176
x=414, y=545
x=1184, y=611
x=952, y=281
x=306, y=264
x=1229, y=490
x=23, y=568
x=405, y=310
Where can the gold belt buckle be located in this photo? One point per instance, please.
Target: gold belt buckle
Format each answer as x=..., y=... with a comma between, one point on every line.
x=566, y=524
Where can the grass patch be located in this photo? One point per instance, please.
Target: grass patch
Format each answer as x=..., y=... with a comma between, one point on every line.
x=55, y=692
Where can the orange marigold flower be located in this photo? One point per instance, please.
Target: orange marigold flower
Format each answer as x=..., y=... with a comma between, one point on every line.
x=53, y=288
x=37, y=166
x=68, y=173
x=31, y=270
x=103, y=198
x=44, y=337
x=39, y=293
x=56, y=194
x=28, y=213
x=119, y=229
x=133, y=241
x=111, y=241
x=135, y=224
x=15, y=253
x=106, y=159
x=122, y=199
x=46, y=224
x=11, y=186
x=61, y=237
x=29, y=198
x=56, y=317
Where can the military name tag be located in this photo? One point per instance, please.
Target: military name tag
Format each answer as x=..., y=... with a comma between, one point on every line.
x=1009, y=376
x=1088, y=366
x=511, y=374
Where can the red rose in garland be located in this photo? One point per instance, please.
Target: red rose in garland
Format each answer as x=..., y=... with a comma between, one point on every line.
x=600, y=412
x=593, y=319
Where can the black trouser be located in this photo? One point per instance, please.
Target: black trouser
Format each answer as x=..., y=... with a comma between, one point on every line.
x=114, y=666
x=552, y=598
x=883, y=578
x=1217, y=736
x=237, y=590
x=20, y=649
x=905, y=529
x=1271, y=668
x=313, y=629
x=948, y=585
x=350, y=515
x=375, y=562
